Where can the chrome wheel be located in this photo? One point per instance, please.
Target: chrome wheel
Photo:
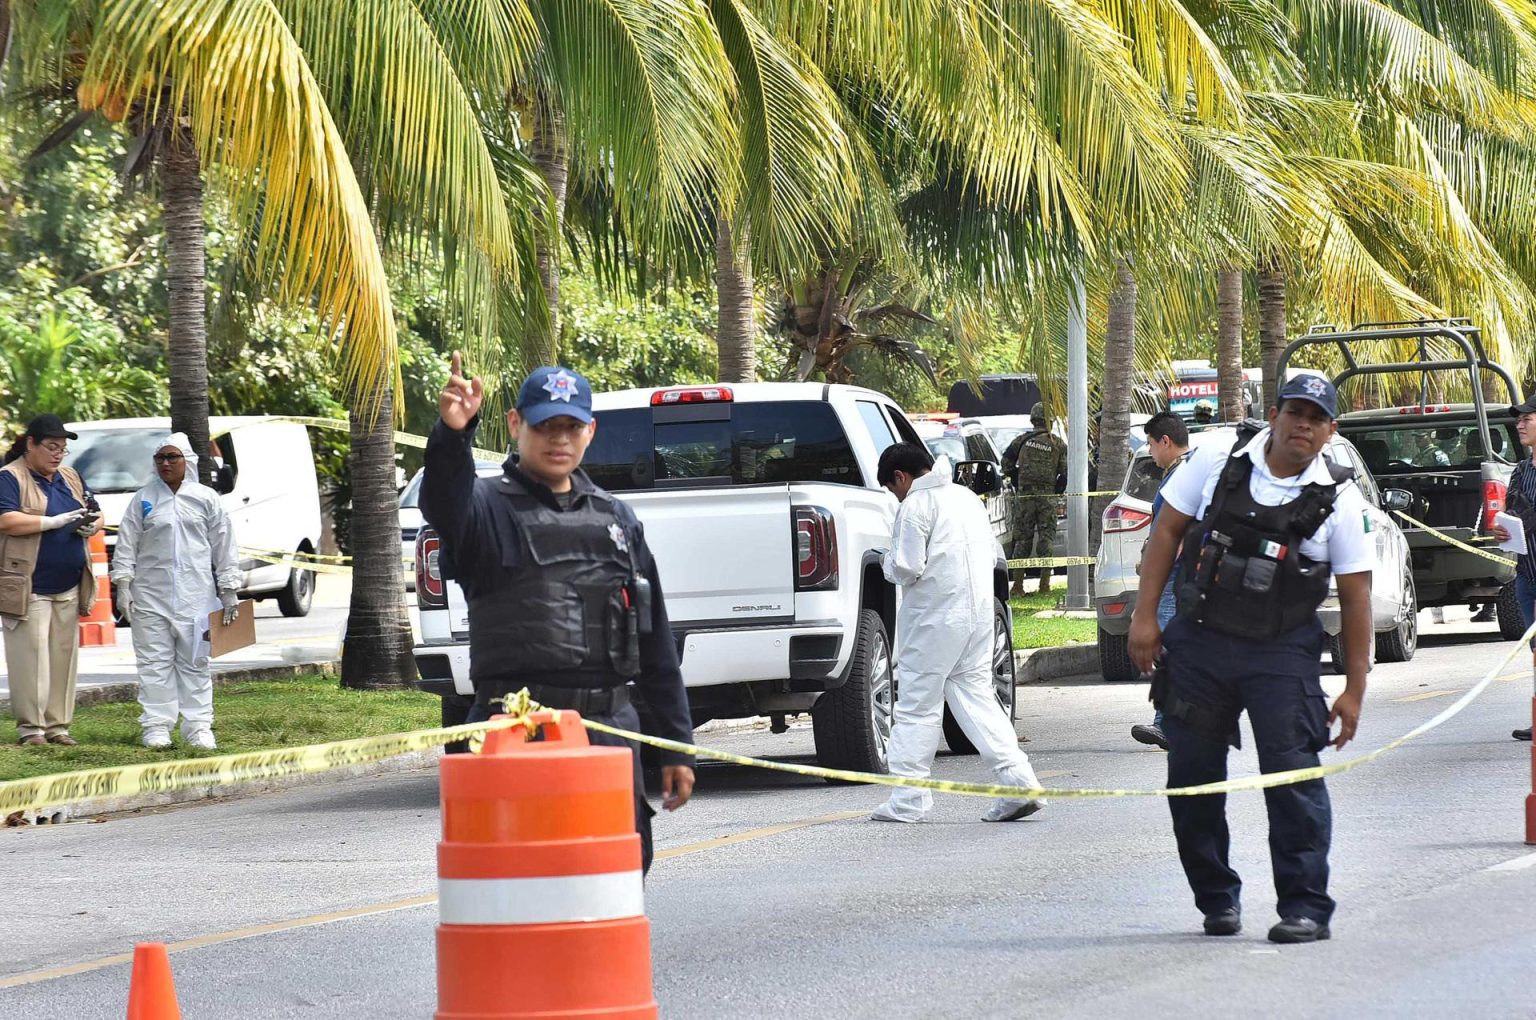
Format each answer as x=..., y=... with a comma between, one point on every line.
x=1002, y=663
x=882, y=697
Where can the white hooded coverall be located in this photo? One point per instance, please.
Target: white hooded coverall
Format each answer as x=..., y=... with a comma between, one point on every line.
x=942, y=555
x=177, y=550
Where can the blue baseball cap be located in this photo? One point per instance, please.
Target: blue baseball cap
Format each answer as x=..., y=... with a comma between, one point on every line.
x=551, y=392
x=1313, y=388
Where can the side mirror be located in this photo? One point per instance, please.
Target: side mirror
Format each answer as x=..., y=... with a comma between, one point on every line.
x=980, y=476
x=1396, y=499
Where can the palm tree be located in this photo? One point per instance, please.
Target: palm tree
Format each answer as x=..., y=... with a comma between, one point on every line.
x=1116, y=393
x=1229, y=343
x=181, y=189
x=1271, y=326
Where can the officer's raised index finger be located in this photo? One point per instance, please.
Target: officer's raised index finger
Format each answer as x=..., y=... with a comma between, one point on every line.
x=456, y=365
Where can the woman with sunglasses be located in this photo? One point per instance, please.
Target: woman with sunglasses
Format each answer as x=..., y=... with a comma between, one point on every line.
x=175, y=563
x=45, y=579
x=1522, y=503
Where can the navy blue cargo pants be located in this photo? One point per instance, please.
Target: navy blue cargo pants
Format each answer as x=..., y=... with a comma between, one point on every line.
x=1277, y=683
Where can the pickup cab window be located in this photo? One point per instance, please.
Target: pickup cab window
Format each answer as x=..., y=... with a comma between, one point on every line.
x=879, y=428
x=745, y=444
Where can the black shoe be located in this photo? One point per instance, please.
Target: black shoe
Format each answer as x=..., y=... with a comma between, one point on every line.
x=1485, y=614
x=1149, y=735
x=1524, y=734
x=1299, y=929
x=1225, y=922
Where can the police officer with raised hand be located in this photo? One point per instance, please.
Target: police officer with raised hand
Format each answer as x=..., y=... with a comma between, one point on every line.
x=564, y=597
x=1261, y=527
x=1035, y=460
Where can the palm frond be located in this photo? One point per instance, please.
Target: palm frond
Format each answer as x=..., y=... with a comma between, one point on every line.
x=260, y=120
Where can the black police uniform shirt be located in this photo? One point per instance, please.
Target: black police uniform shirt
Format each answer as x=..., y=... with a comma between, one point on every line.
x=457, y=505
x=1343, y=541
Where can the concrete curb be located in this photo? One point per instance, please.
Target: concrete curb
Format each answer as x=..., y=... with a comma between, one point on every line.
x=410, y=761
x=1042, y=665
x=128, y=690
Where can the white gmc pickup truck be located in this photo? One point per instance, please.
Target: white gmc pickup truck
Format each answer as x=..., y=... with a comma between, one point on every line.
x=761, y=507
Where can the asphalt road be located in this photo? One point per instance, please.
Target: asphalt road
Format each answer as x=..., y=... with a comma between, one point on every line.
x=775, y=897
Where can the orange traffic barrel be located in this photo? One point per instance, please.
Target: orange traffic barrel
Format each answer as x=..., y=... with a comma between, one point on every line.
x=540, y=894
x=98, y=628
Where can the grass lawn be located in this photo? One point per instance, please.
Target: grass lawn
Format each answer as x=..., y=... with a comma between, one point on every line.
x=251, y=716
x=1030, y=631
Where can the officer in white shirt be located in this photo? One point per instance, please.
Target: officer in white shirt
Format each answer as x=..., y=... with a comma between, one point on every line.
x=1262, y=528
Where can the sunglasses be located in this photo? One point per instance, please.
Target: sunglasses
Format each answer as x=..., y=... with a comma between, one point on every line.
x=168, y=458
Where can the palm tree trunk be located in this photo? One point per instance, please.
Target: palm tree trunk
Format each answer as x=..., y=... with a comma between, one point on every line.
x=181, y=186
x=1229, y=343
x=553, y=163
x=1271, y=326
x=1119, y=381
x=737, y=334
x=377, y=649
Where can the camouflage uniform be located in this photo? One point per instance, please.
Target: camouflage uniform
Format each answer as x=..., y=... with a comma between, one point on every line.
x=1034, y=461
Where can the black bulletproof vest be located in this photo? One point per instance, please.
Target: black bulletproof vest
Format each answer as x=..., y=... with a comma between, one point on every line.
x=565, y=613
x=1244, y=574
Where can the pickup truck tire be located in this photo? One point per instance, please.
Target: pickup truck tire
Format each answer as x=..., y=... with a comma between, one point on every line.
x=1115, y=663
x=852, y=723
x=1511, y=623
x=1335, y=646
x=1003, y=681
x=1399, y=643
x=298, y=594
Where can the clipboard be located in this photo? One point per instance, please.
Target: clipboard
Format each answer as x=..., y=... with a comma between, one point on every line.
x=237, y=635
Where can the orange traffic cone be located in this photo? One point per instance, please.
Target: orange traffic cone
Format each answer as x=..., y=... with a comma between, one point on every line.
x=152, y=993
x=98, y=628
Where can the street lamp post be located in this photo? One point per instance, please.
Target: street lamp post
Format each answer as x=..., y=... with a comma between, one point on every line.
x=1077, y=443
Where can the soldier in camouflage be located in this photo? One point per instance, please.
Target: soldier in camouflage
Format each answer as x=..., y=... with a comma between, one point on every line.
x=1035, y=460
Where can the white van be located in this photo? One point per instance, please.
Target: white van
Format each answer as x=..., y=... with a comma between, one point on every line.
x=266, y=475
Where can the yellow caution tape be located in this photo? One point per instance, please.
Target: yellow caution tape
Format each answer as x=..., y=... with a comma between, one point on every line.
x=403, y=438
x=227, y=769
x=1064, y=495
x=1260, y=782
x=1053, y=561
x=223, y=770
x=1442, y=536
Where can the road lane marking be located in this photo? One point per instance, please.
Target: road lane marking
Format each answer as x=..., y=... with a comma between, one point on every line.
x=1426, y=695
x=751, y=834
x=251, y=931
x=1518, y=864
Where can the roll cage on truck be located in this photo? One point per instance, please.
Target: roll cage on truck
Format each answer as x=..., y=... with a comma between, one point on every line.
x=1442, y=465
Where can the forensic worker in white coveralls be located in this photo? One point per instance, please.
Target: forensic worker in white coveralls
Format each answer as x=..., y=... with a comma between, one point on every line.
x=942, y=555
x=174, y=564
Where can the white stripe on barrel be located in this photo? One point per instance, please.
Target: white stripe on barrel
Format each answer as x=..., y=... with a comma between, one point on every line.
x=551, y=900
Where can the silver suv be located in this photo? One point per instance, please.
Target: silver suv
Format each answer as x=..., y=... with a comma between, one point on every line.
x=1394, y=605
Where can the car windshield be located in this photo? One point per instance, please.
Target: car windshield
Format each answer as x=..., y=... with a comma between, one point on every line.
x=114, y=460
x=1398, y=450
x=947, y=446
x=1143, y=479
x=410, y=496
x=759, y=441
x=1005, y=434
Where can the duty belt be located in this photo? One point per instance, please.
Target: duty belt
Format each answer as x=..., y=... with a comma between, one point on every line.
x=586, y=700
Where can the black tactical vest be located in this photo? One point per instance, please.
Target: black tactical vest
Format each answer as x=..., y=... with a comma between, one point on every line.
x=1243, y=573
x=567, y=611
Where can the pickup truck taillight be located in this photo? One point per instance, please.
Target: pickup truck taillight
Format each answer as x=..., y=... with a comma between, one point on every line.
x=815, y=549
x=429, y=574
x=1125, y=518
x=1494, y=493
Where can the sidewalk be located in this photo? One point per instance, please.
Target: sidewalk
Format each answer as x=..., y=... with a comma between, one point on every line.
x=283, y=645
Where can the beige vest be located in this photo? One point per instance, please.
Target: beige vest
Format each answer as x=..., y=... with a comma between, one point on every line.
x=18, y=553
